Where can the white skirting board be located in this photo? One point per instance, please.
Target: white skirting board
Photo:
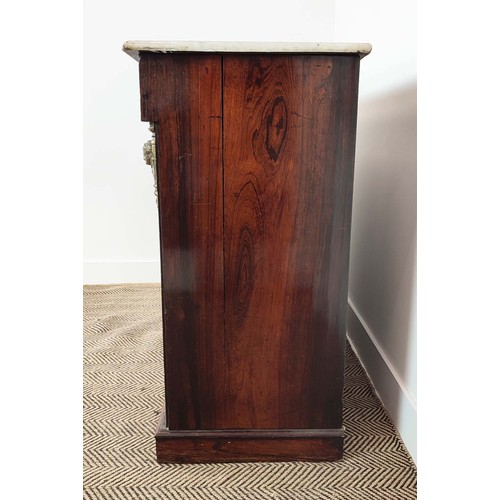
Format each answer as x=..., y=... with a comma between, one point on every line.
x=101, y=272
x=388, y=384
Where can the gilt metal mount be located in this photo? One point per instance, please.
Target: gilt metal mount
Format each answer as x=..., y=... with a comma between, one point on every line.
x=149, y=151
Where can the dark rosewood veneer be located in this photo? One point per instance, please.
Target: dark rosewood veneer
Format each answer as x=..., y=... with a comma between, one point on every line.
x=255, y=159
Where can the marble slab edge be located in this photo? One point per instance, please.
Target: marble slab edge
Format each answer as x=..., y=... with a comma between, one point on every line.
x=134, y=47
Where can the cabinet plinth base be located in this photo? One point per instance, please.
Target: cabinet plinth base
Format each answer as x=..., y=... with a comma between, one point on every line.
x=248, y=445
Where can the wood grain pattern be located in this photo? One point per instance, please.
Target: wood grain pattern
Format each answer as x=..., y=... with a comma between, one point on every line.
x=182, y=94
x=255, y=171
x=289, y=127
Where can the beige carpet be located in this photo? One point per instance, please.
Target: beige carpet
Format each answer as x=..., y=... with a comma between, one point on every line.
x=123, y=395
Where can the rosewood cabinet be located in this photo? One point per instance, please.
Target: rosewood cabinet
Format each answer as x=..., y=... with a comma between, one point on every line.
x=254, y=155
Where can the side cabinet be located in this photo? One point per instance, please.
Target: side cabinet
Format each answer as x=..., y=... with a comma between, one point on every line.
x=254, y=152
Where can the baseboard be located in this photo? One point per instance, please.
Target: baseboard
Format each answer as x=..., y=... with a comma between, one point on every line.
x=389, y=385
x=106, y=272
x=247, y=445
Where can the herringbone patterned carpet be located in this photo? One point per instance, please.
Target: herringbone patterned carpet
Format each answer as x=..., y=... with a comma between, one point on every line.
x=123, y=395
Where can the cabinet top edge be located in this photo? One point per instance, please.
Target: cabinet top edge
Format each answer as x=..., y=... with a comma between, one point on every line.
x=134, y=47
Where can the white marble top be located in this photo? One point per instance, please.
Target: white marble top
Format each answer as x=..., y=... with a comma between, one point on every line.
x=133, y=47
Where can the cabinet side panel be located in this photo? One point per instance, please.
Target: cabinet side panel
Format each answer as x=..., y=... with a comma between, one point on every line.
x=183, y=93
x=289, y=138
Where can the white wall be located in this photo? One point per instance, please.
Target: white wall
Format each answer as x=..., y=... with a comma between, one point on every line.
x=382, y=280
x=120, y=219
